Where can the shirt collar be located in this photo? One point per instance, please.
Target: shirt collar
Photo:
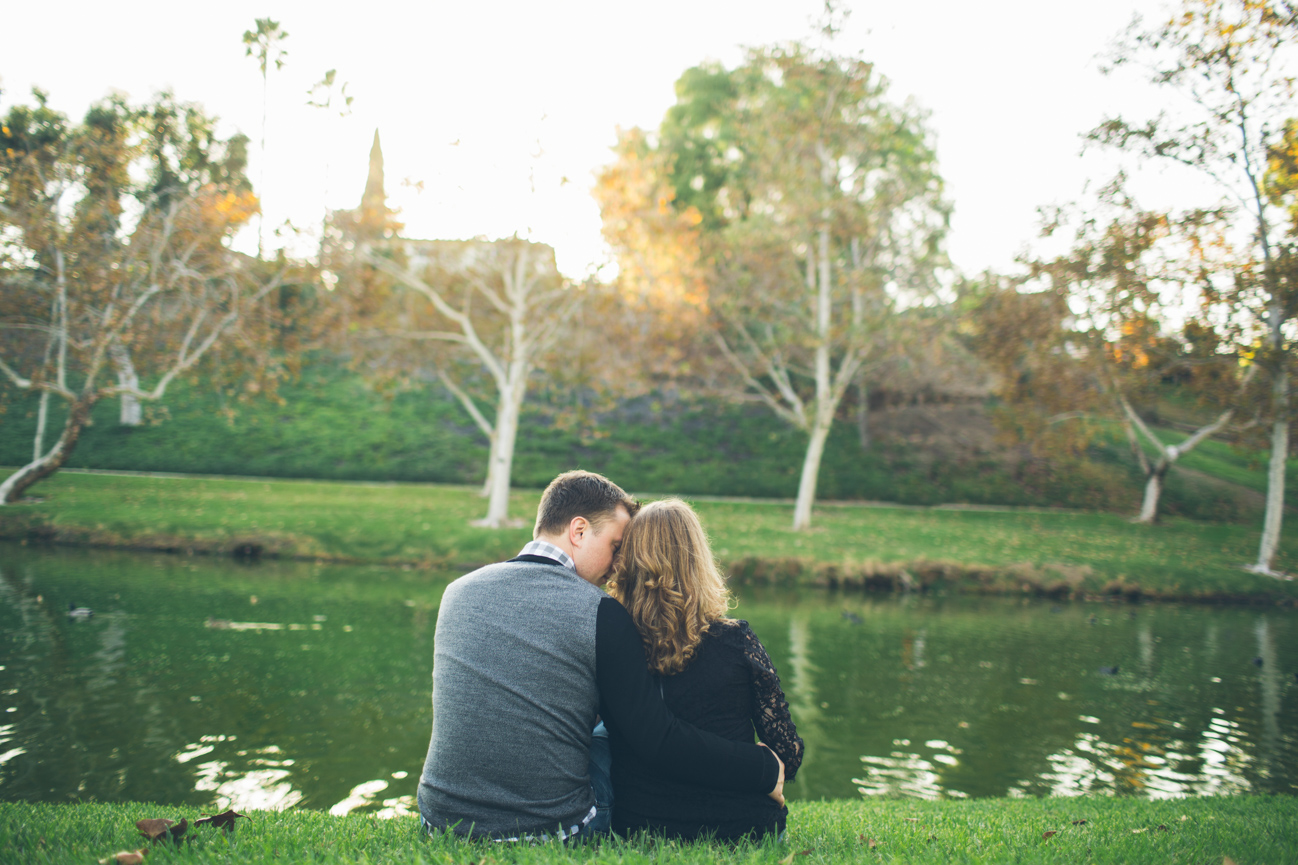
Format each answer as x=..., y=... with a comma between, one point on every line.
x=549, y=551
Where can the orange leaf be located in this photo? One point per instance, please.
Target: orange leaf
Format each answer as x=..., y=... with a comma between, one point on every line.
x=1050, y=834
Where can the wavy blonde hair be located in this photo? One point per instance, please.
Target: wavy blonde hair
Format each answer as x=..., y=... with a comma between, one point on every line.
x=667, y=579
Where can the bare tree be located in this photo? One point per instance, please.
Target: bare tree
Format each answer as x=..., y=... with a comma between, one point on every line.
x=95, y=265
x=1232, y=62
x=495, y=306
x=841, y=229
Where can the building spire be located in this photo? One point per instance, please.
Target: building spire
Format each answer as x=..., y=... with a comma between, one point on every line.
x=374, y=203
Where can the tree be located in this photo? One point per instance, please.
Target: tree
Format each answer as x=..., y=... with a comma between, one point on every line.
x=113, y=239
x=490, y=306
x=266, y=43
x=822, y=215
x=1128, y=274
x=1230, y=60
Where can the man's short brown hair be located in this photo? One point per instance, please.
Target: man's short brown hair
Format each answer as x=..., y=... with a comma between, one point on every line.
x=580, y=494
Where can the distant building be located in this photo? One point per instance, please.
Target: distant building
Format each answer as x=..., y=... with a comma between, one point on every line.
x=374, y=221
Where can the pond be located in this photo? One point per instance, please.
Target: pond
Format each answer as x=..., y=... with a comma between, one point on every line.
x=209, y=683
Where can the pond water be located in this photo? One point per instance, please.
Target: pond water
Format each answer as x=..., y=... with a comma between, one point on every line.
x=272, y=685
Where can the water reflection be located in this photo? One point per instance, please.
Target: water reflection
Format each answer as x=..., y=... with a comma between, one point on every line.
x=295, y=685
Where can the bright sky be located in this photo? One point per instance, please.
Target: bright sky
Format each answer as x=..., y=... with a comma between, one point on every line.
x=1010, y=85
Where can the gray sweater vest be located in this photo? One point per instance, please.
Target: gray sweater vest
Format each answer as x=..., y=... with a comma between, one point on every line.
x=514, y=701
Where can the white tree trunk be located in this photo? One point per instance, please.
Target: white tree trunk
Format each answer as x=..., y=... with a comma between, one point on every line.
x=1153, y=490
x=491, y=466
x=47, y=464
x=810, y=471
x=1156, y=472
x=42, y=413
x=502, y=452
x=1275, y=476
x=823, y=412
x=126, y=377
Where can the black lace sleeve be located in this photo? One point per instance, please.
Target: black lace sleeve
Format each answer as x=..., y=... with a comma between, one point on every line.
x=770, y=710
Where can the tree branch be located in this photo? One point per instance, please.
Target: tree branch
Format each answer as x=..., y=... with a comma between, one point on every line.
x=779, y=408
x=439, y=303
x=469, y=405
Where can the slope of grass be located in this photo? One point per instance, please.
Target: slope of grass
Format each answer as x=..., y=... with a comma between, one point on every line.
x=1245, y=829
x=332, y=425
x=430, y=525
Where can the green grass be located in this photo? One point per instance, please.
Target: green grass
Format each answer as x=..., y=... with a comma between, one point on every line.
x=331, y=424
x=429, y=525
x=1247, y=829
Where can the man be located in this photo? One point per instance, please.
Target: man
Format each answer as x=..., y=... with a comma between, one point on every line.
x=527, y=654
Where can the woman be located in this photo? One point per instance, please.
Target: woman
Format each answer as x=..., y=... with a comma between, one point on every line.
x=713, y=671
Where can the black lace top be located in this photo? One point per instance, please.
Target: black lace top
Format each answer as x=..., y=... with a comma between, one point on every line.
x=731, y=689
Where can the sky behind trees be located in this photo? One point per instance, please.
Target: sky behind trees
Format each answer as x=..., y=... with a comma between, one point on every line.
x=533, y=94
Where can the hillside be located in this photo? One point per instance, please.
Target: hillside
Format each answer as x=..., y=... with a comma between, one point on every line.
x=332, y=424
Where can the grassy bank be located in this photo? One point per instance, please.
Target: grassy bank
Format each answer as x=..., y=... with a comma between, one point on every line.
x=1245, y=829
x=1059, y=553
x=332, y=425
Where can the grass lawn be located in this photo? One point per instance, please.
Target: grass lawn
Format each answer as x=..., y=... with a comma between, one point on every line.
x=430, y=525
x=1244, y=829
x=332, y=424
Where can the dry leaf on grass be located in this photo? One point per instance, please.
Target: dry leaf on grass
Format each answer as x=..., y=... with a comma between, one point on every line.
x=1050, y=834
x=155, y=828
x=125, y=857
x=1226, y=860
x=912, y=819
x=224, y=820
x=869, y=842
x=160, y=827
x=1079, y=822
x=1138, y=831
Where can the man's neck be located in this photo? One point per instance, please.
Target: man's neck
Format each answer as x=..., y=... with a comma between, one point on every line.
x=561, y=542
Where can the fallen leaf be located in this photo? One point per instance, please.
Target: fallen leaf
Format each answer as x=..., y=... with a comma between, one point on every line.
x=155, y=828
x=1226, y=860
x=1184, y=817
x=179, y=829
x=1079, y=822
x=1050, y=834
x=224, y=820
x=805, y=853
x=912, y=819
x=125, y=857
x=869, y=842
x=1162, y=828
x=1138, y=831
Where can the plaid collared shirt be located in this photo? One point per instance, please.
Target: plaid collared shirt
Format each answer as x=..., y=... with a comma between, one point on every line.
x=550, y=551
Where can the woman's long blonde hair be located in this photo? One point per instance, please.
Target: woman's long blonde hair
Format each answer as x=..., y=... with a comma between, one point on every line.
x=667, y=579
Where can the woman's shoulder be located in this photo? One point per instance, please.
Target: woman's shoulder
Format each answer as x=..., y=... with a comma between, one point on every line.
x=734, y=632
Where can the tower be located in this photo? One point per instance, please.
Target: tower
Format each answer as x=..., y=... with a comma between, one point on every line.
x=374, y=213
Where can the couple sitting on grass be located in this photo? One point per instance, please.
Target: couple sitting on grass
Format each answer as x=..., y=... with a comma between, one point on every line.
x=562, y=712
